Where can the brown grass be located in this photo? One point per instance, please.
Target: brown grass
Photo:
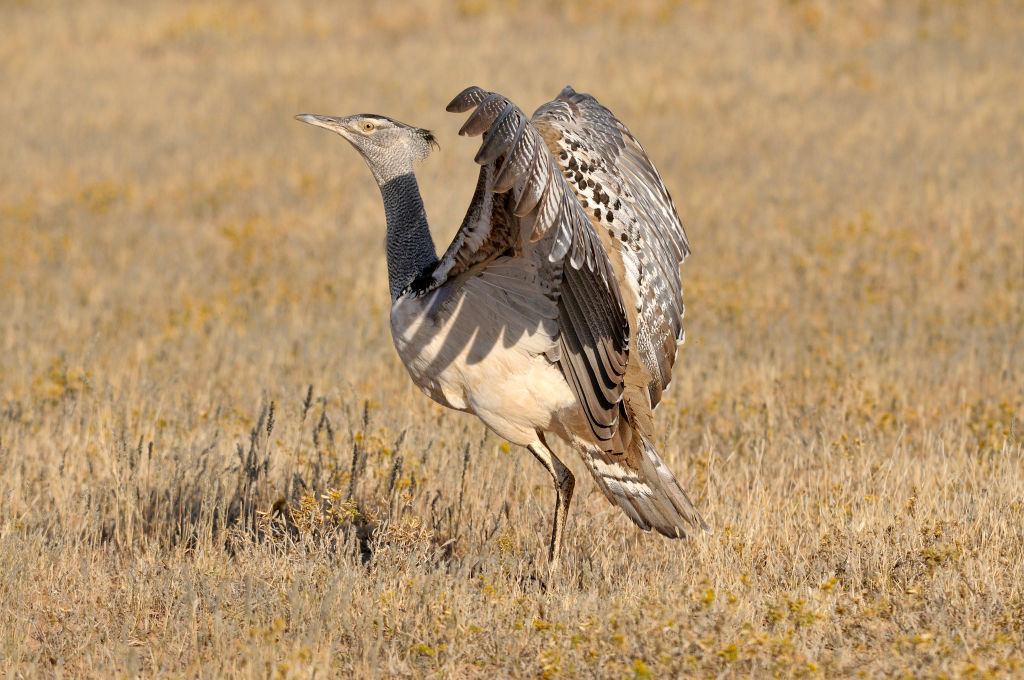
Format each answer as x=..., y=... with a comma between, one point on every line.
x=180, y=261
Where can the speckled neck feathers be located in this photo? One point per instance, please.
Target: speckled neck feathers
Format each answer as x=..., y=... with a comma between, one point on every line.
x=410, y=248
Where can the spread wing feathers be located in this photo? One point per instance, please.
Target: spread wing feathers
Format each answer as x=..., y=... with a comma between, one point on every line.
x=524, y=203
x=643, y=486
x=486, y=231
x=632, y=211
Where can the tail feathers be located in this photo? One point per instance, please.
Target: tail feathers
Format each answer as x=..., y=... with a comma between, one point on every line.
x=641, y=484
x=674, y=502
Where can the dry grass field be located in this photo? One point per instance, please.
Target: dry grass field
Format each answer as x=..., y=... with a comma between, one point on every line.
x=212, y=463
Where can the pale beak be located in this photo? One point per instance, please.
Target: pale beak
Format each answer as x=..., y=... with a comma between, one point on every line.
x=332, y=123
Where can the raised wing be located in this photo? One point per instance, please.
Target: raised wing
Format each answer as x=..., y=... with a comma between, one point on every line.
x=524, y=204
x=632, y=211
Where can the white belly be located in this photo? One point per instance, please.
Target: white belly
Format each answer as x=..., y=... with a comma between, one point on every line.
x=468, y=352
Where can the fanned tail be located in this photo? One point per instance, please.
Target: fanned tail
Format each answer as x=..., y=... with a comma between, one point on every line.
x=641, y=484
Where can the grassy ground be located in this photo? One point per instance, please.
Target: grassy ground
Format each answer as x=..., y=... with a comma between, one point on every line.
x=212, y=463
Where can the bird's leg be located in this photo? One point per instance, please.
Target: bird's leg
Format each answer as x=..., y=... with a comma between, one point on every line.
x=564, y=485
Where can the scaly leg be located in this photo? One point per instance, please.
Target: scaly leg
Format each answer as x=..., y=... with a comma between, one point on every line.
x=564, y=485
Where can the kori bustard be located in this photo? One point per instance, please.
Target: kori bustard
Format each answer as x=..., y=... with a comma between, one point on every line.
x=558, y=307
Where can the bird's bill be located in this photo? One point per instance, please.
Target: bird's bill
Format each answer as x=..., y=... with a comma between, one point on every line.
x=332, y=123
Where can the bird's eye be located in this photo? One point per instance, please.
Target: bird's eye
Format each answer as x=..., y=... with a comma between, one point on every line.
x=368, y=126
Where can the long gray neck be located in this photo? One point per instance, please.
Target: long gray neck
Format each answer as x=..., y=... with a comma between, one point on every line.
x=410, y=249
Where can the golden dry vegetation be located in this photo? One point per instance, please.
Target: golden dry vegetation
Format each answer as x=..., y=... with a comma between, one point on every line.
x=212, y=463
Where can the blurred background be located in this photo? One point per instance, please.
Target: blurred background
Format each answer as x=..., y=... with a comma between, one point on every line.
x=154, y=179
x=848, y=173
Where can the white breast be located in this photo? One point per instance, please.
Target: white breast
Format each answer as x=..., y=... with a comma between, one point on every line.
x=466, y=350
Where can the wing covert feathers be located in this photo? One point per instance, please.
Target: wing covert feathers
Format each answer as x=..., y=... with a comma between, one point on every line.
x=632, y=211
x=593, y=327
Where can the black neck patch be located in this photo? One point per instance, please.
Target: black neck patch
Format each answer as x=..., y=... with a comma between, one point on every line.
x=424, y=283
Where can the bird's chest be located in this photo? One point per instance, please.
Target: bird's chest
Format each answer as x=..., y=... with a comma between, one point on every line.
x=467, y=349
x=428, y=342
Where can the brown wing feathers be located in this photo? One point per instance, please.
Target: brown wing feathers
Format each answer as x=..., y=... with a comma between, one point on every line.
x=622, y=192
x=589, y=358
x=593, y=330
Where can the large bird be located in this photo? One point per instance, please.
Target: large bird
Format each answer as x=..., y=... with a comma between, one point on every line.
x=558, y=306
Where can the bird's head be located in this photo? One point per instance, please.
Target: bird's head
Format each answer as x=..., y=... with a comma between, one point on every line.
x=389, y=147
